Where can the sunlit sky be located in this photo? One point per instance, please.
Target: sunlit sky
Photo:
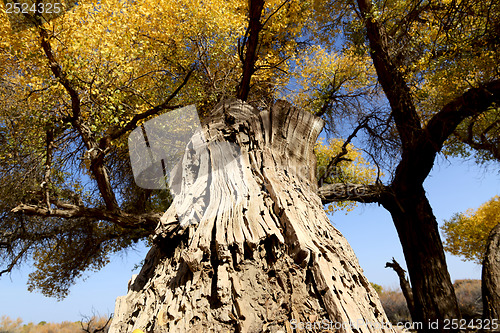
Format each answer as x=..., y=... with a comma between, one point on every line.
x=453, y=186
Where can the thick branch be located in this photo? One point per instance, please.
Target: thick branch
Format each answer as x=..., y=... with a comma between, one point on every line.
x=473, y=102
x=147, y=220
x=95, y=154
x=254, y=28
x=416, y=165
x=355, y=192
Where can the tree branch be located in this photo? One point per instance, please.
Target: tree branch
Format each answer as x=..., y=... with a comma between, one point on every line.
x=254, y=28
x=417, y=164
x=16, y=259
x=485, y=144
x=474, y=101
x=355, y=192
x=48, y=165
x=116, y=133
x=95, y=154
x=340, y=156
x=404, y=284
x=147, y=221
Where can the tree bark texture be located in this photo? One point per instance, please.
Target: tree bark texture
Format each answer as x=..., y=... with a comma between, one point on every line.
x=257, y=253
x=491, y=276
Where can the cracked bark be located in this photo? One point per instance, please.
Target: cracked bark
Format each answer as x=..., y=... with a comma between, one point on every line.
x=263, y=253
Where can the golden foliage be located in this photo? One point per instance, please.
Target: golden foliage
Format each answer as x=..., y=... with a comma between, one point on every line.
x=323, y=76
x=466, y=234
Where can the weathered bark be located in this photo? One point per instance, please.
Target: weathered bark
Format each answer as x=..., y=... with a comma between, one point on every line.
x=355, y=192
x=491, y=276
x=433, y=293
x=404, y=284
x=258, y=251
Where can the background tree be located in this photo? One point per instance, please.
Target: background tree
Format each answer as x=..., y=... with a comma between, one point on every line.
x=475, y=235
x=420, y=51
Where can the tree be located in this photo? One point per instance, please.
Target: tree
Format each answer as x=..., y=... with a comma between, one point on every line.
x=475, y=235
x=253, y=260
x=104, y=79
x=424, y=113
x=115, y=80
x=466, y=234
x=259, y=263
x=404, y=285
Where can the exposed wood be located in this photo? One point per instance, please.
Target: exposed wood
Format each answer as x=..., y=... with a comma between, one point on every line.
x=355, y=192
x=253, y=250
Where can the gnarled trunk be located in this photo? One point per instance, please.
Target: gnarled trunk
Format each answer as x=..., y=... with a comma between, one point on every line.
x=246, y=245
x=491, y=276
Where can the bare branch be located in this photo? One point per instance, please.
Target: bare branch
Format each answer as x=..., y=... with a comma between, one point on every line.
x=355, y=192
x=48, y=165
x=88, y=325
x=405, y=285
x=340, y=156
x=147, y=220
x=275, y=11
x=17, y=258
x=486, y=144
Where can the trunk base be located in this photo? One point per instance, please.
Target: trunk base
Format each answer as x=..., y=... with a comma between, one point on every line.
x=258, y=253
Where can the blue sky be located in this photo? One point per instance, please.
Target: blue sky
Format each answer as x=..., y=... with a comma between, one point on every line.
x=453, y=186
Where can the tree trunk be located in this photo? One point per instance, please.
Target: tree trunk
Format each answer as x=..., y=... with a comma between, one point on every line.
x=491, y=276
x=433, y=293
x=259, y=253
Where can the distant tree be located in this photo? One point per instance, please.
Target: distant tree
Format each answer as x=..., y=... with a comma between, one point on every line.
x=466, y=234
x=7, y=325
x=475, y=235
x=95, y=324
x=378, y=288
